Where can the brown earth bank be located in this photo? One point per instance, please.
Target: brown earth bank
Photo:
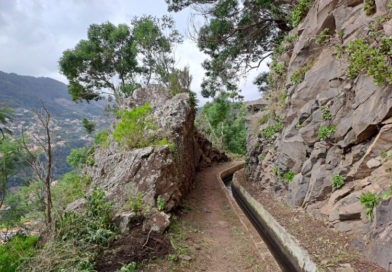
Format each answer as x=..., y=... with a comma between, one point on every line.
x=330, y=249
x=209, y=235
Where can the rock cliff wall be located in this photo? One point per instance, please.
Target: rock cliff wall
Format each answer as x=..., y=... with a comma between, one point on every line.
x=154, y=170
x=328, y=117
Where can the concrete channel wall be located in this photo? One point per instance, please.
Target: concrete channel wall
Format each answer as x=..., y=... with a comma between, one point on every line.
x=287, y=244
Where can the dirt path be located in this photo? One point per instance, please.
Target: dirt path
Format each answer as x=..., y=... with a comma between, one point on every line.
x=214, y=233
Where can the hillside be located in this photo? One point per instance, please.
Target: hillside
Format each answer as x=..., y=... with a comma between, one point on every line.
x=25, y=93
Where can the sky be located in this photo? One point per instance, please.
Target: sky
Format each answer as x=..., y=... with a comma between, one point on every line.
x=34, y=34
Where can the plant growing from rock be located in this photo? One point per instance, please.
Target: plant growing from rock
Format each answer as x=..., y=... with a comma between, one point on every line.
x=337, y=181
x=369, y=201
x=326, y=114
x=264, y=119
x=300, y=11
x=261, y=157
x=288, y=177
x=326, y=131
x=298, y=125
x=160, y=203
x=390, y=4
x=370, y=59
x=299, y=75
x=269, y=131
x=369, y=7
x=324, y=35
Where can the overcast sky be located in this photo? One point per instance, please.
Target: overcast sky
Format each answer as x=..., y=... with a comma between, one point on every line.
x=34, y=33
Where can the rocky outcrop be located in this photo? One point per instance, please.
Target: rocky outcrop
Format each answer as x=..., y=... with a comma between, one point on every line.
x=153, y=171
x=359, y=113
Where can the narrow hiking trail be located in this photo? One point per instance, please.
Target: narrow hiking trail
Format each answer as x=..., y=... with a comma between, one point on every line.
x=214, y=233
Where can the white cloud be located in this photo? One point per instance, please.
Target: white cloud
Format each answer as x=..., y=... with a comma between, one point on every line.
x=34, y=33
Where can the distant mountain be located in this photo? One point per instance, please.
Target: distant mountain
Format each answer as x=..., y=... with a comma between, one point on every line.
x=27, y=92
x=24, y=93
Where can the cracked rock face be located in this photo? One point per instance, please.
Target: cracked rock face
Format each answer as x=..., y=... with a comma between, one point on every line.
x=361, y=143
x=154, y=170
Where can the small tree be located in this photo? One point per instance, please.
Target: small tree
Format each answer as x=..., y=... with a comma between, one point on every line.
x=89, y=126
x=10, y=157
x=41, y=171
x=5, y=117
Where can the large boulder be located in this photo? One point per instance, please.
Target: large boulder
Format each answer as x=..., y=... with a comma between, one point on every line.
x=154, y=171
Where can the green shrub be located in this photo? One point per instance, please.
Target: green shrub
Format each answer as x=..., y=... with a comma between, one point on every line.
x=369, y=201
x=15, y=251
x=298, y=125
x=326, y=131
x=131, y=131
x=288, y=176
x=261, y=157
x=326, y=114
x=128, y=267
x=373, y=61
x=160, y=203
x=101, y=137
x=383, y=154
x=337, y=181
x=324, y=35
x=90, y=161
x=269, y=131
x=275, y=171
x=264, y=119
x=92, y=227
x=299, y=75
x=136, y=203
x=369, y=7
x=390, y=4
x=77, y=158
x=339, y=51
x=300, y=11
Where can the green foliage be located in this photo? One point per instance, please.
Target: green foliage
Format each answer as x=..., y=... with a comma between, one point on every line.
x=71, y=187
x=275, y=171
x=5, y=116
x=299, y=75
x=339, y=51
x=386, y=194
x=326, y=131
x=93, y=226
x=370, y=59
x=108, y=58
x=269, y=131
x=324, y=35
x=160, y=203
x=223, y=123
x=264, y=119
x=369, y=201
x=15, y=251
x=300, y=11
x=298, y=125
x=138, y=205
x=288, y=176
x=11, y=156
x=235, y=36
x=383, y=153
x=337, y=181
x=101, y=137
x=90, y=161
x=89, y=126
x=369, y=7
x=131, y=131
x=326, y=114
x=390, y=4
x=128, y=267
x=261, y=157
x=77, y=158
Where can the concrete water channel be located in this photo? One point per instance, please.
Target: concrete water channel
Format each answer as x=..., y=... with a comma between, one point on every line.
x=289, y=256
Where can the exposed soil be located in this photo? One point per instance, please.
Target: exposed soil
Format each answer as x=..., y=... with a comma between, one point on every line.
x=328, y=247
x=135, y=246
x=213, y=233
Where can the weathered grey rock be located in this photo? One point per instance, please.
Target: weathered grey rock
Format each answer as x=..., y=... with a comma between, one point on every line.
x=156, y=221
x=297, y=190
x=154, y=170
x=320, y=184
x=373, y=163
x=76, y=206
x=123, y=219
